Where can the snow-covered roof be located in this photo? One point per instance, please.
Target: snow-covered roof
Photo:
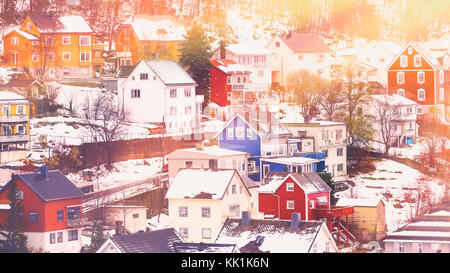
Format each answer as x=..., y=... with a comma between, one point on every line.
x=60, y=24
x=170, y=72
x=305, y=43
x=24, y=34
x=208, y=152
x=310, y=182
x=229, y=67
x=157, y=28
x=394, y=99
x=358, y=202
x=200, y=183
x=291, y=160
x=11, y=98
x=276, y=236
x=248, y=49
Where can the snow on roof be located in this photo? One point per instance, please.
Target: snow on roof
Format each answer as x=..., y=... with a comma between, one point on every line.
x=24, y=34
x=310, y=182
x=394, y=99
x=170, y=72
x=230, y=67
x=392, y=47
x=200, y=183
x=276, y=235
x=61, y=24
x=358, y=202
x=158, y=28
x=305, y=43
x=11, y=97
x=248, y=49
x=208, y=152
x=292, y=160
x=441, y=213
x=203, y=248
x=5, y=206
x=431, y=224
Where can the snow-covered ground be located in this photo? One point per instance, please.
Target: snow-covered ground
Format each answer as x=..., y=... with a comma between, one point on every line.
x=392, y=178
x=122, y=172
x=163, y=222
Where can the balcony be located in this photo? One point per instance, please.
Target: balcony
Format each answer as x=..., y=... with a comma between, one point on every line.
x=14, y=118
x=253, y=169
x=14, y=138
x=123, y=54
x=318, y=156
x=333, y=212
x=77, y=223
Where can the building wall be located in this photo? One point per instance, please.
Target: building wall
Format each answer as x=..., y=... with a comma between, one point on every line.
x=218, y=87
x=323, y=240
x=413, y=247
x=41, y=240
x=132, y=223
x=368, y=223
x=10, y=156
x=246, y=144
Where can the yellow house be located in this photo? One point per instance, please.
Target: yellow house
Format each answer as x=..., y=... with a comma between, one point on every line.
x=15, y=126
x=148, y=37
x=51, y=47
x=201, y=200
x=368, y=222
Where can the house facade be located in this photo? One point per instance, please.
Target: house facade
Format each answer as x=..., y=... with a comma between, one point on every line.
x=295, y=51
x=53, y=48
x=201, y=200
x=52, y=210
x=148, y=37
x=126, y=218
x=418, y=75
x=160, y=92
x=15, y=126
x=328, y=137
x=282, y=194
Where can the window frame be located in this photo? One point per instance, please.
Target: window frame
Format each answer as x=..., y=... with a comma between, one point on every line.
x=85, y=53
x=81, y=39
x=33, y=217
x=181, y=210
x=290, y=187
x=401, y=92
x=441, y=93
x=402, y=74
x=203, y=233
x=419, y=73
x=206, y=212
x=239, y=132
x=58, y=218
x=71, y=236
x=290, y=202
x=173, y=93
x=69, y=54
x=418, y=94
x=64, y=37
x=403, y=61
x=417, y=64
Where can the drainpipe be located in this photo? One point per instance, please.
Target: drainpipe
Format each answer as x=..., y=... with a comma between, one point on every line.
x=278, y=204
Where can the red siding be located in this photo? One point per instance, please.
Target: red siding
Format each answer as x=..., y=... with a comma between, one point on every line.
x=218, y=87
x=313, y=196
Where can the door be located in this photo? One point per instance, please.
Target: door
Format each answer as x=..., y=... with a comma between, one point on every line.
x=14, y=57
x=266, y=169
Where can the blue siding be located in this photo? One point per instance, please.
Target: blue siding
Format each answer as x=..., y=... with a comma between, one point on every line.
x=250, y=145
x=317, y=156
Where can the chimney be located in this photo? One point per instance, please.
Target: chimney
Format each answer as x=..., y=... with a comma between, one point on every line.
x=44, y=172
x=222, y=50
x=295, y=219
x=246, y=219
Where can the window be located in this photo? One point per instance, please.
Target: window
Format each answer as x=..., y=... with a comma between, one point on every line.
x=188, y=110
x=135, y=93
x=400, y=77
x=33, y=217
x=67, y=56
x=325, y=152
x=59, y=237
x=420, y=247
x=14, y=40
x=183, y=211
x=327, y=247
x=230, y=132
x=60, y=216
x=410, y=50
x=184, y=232
x=421, y=95
x=229, y=96
x=21, y=110
x=229, y=80
x=289, y=186
x=5, y=110
x=28, y=26
x=188, y=164
x=35, y=57
x=249, y=133
x=421, y=77
x=419, y=110
x=340, y=167
x=144, y=76
x=417, y=61
x=401, y=92
x=312, y=204
x=187, y=92
x=340, y=152
x=206, y=212
x=441, y=93
x=240, y=132
x=173, y=111
x=401, y=247
x=34, y=42
x=51, y=73
x=49, y=40
x=73, y=235
x=135, y=215
x=403, y=61
x=233, y=189
x=173, y=93
x=50, y=56
x=290, y=204
x=73, y=213
x=206, y=233
x=441, y=76
x=19, y=194
x=239, y=79
x=14, y=57
x=52, y=238
x=409, y=110
x=85, y=40
x=66, y=40
x=235, y=210
x=85, y=56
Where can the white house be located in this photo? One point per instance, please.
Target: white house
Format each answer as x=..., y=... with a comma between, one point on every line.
x=160, y=92
x=200, y=200
x=296, y=52
x=404, y=118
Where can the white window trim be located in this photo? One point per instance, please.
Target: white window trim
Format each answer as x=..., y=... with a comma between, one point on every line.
x=230, y=132
x=398, y=77
x=240, y=132
x=290, y=202
x=288, y=188
x=418, y=95
x=401, y=91
x=70, y=40
x=203, y=233
x=249, y=133
x=418, y=77
x=441, y=76
x=441, y=93
x=33, y=55
x=417, y=57
x=14, y=40
x=85, y=61
x=403, y=61
x=70, y=56
x=81, y=37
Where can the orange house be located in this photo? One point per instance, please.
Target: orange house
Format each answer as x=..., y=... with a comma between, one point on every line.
x=51, y=47
x=148, y=37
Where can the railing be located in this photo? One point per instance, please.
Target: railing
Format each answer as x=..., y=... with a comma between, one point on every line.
x=253, y=170
x=123, y=54
x=14, y=118
x=77, y=223
x=14, y=138
x=333, y=212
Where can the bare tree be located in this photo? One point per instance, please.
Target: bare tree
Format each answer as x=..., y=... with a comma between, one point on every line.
x=46, y=53
x=331, y=99
x=431, y=146
x=305, y=87
x=106, y=122
x=387, y=118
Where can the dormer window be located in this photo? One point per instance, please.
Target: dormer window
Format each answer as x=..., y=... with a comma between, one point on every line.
x=403, y=61
x=417, y=61
x=14, y=40
x=410, y=50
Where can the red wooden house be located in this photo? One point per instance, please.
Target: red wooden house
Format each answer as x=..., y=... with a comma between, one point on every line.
x=52, y=210
x=419, y=74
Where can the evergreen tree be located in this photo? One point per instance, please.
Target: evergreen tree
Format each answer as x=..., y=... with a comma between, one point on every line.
x=15, y=241
x=195, y=56
x=327, y=178
x=98, y=237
